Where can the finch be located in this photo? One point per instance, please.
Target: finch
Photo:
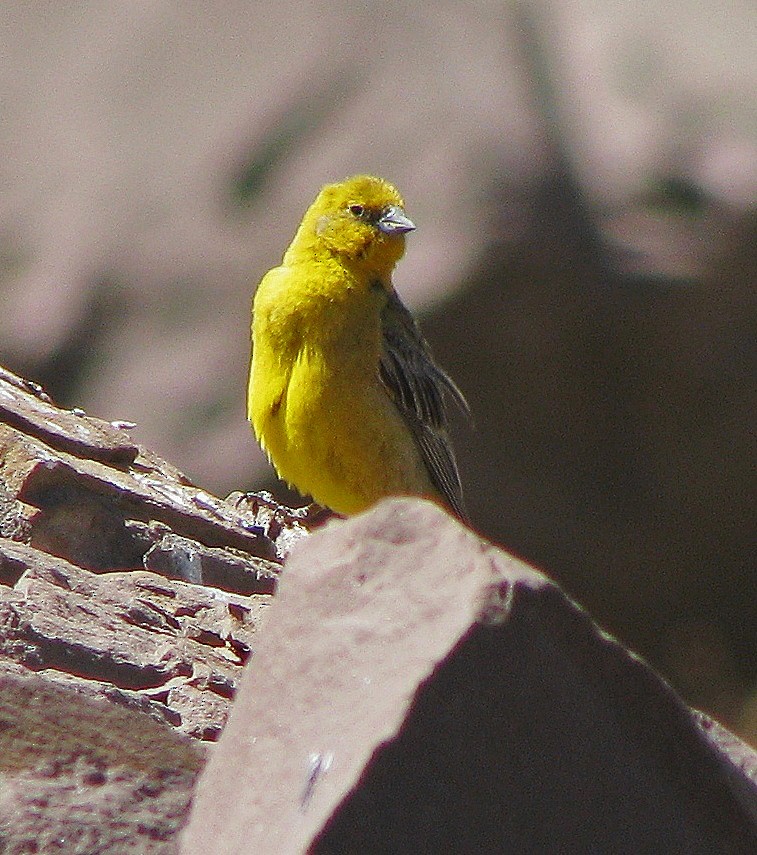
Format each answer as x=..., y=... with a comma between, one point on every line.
x=344, y=395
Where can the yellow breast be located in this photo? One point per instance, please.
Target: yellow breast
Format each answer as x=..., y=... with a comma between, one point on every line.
x=316, y=402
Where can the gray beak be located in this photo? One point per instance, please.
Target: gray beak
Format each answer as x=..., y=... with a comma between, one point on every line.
x=395, y=222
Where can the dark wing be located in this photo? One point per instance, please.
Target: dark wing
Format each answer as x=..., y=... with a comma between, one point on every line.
x=417, y=386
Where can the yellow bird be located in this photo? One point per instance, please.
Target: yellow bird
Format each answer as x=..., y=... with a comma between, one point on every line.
x=344, y=395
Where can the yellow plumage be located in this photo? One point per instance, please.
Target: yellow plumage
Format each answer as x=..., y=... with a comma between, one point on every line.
x=344, y=396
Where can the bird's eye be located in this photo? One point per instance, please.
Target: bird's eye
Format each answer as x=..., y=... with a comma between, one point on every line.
x=356, y=210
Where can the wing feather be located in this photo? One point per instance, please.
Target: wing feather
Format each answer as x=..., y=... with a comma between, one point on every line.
x=417, y=386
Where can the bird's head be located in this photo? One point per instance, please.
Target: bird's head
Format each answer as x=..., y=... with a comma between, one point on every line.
x=361, y=219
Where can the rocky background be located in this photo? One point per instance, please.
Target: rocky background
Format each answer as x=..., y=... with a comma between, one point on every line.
x=410, y=687
x=584, y=179
x=130, y=602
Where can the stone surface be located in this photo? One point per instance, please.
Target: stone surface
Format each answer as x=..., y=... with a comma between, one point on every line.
x=26, y=407
x=79, y=776
x=414, y=689
x=60, y=483
x=77, y=487
x=129, y=603
x=417, y=690
x=118, y=577
x=134, y=631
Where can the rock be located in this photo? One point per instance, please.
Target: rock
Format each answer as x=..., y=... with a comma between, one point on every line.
x=79, y=496
x=413, y=688
x=135, y=631
x=77, y=487
x=25, y=406
x=229, y=569
x=129, y=603
x=84, y=776
x=417, y=690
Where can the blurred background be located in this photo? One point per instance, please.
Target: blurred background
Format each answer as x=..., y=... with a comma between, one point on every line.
x=583, y=176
